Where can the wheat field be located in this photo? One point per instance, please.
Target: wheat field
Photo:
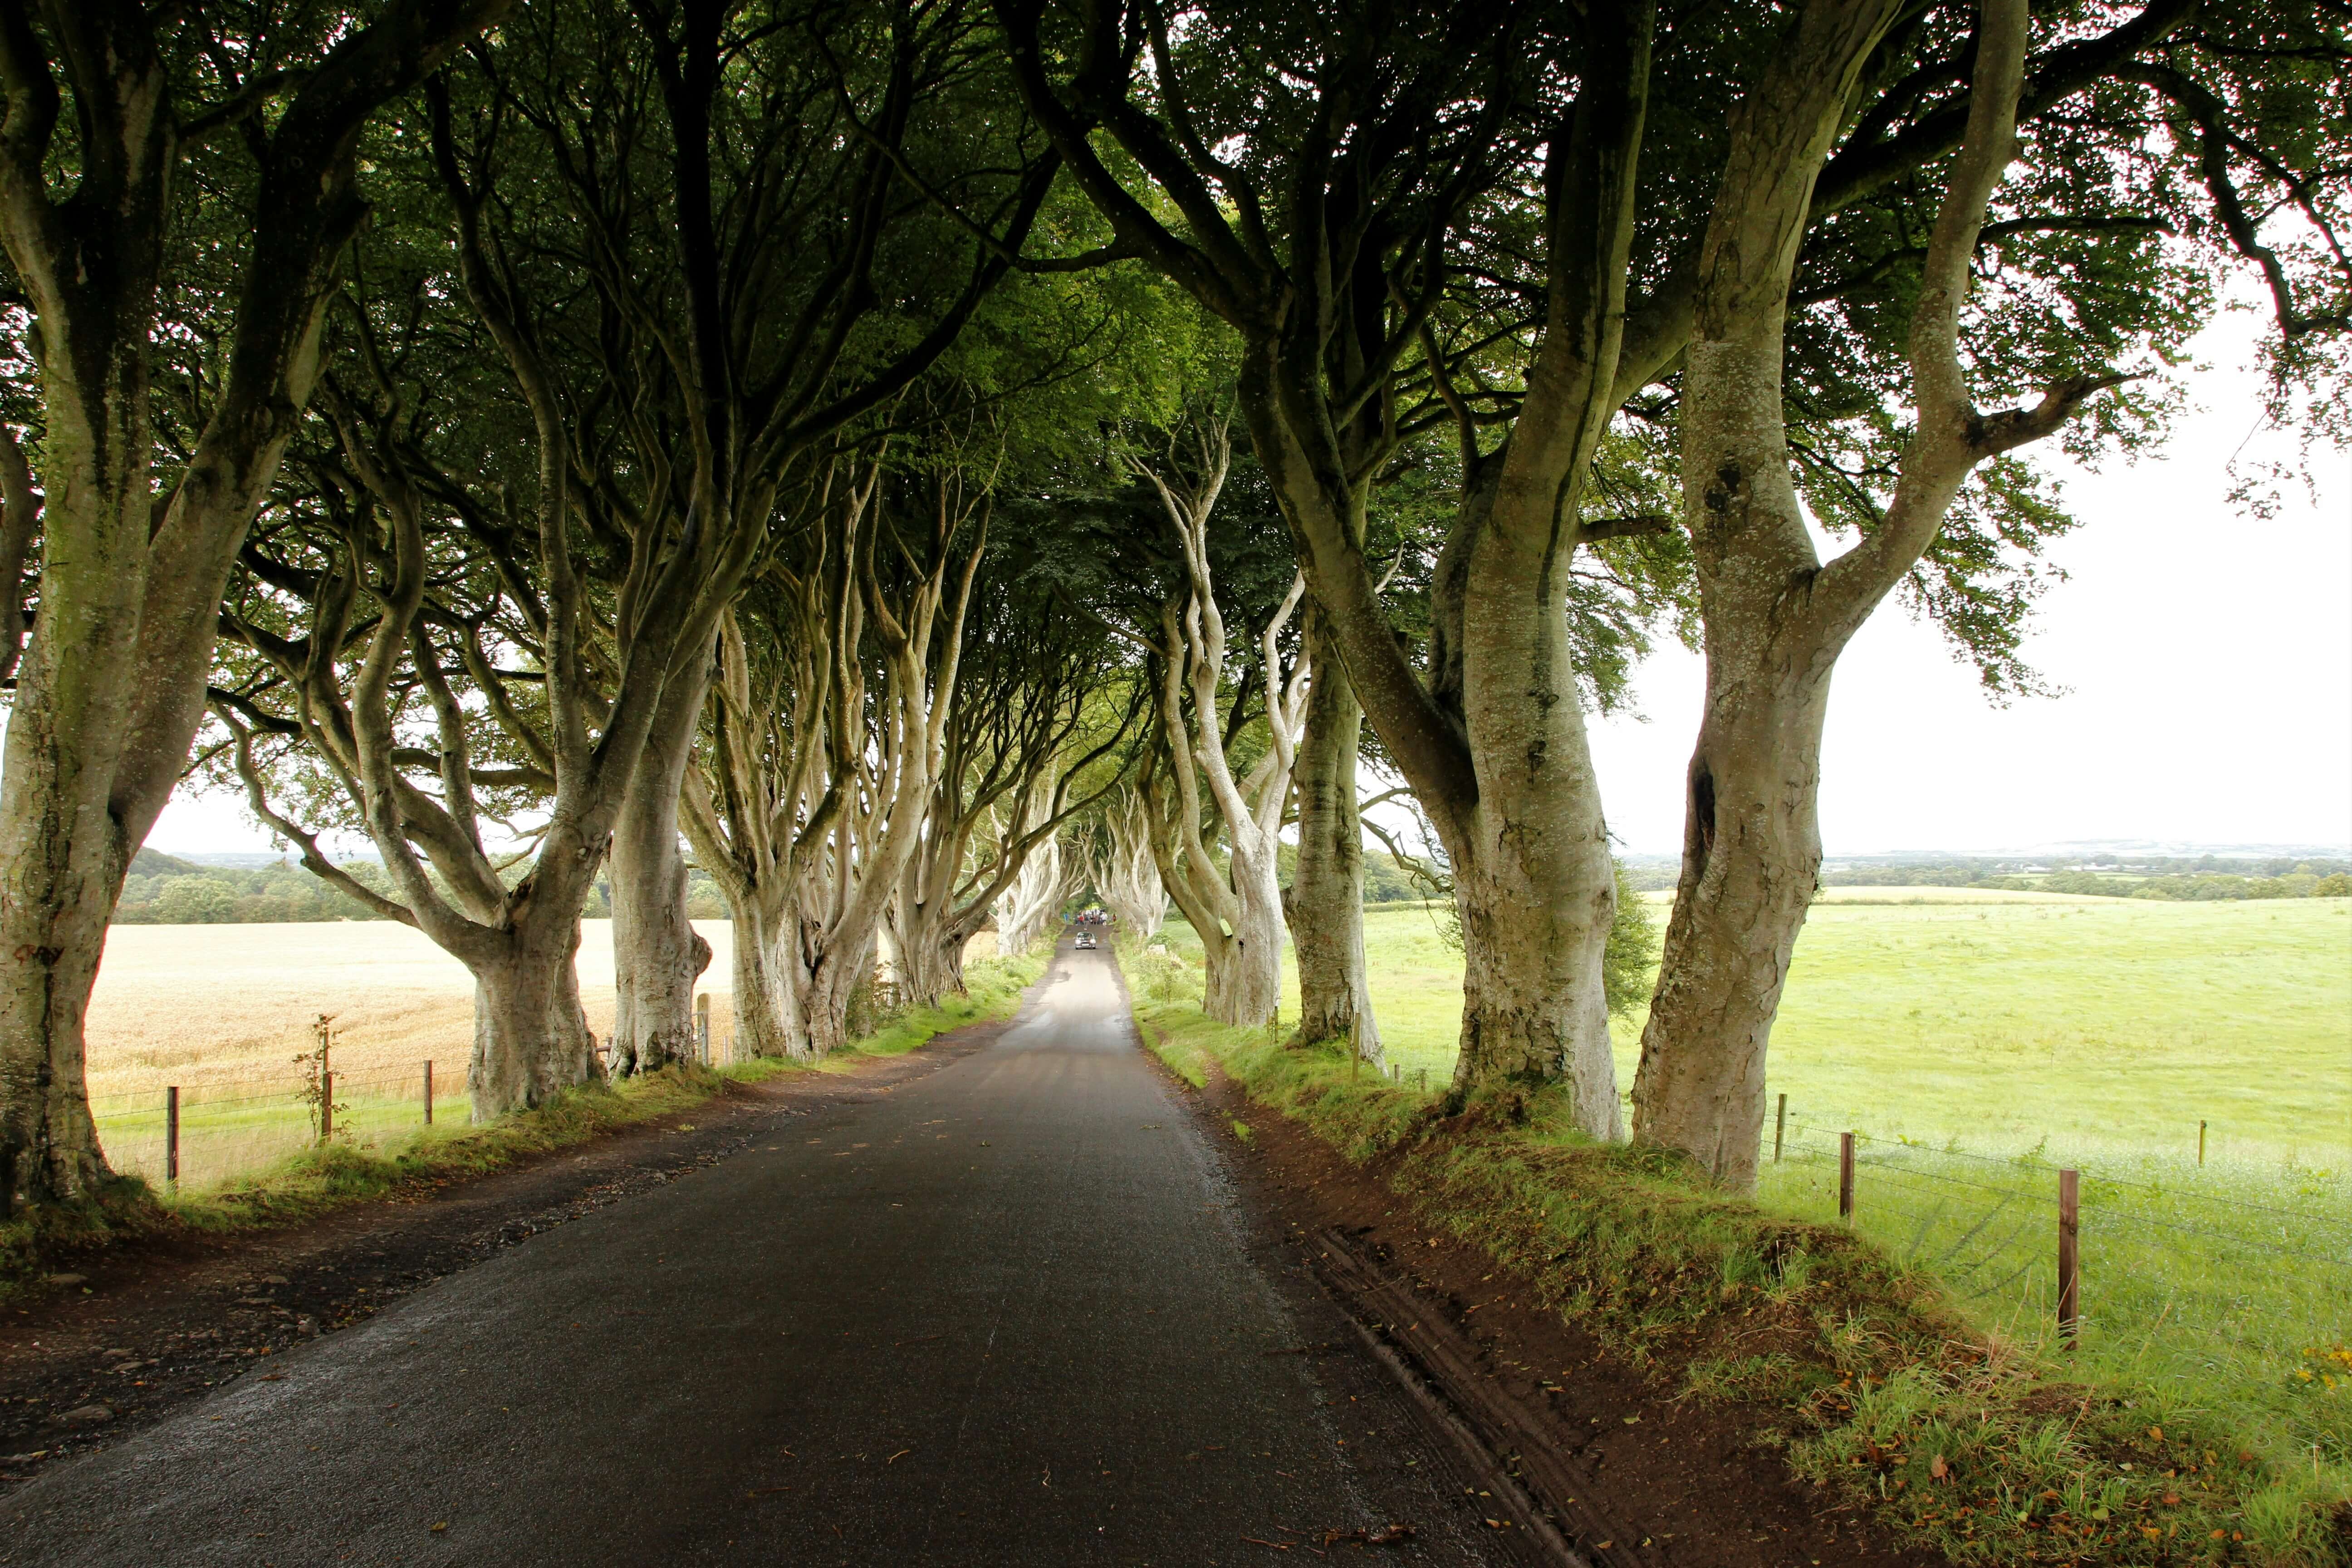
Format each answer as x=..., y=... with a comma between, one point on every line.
x=222, y=1011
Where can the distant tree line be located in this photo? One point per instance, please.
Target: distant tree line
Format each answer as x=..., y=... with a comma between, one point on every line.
x=163, y=890
x=2178, y=876
x=2299, y=883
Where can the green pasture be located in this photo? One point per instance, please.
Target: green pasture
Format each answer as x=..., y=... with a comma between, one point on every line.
x=2100, y=1026
x=1976, y=1046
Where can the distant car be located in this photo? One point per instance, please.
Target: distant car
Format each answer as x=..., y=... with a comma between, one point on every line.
x=1085, y=939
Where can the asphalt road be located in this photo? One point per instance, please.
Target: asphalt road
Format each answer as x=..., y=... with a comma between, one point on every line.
x=1010, y=1313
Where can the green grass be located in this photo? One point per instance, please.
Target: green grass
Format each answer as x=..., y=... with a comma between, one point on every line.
x=266, y=1170
x=2108, y=1026
x=1978, y=1047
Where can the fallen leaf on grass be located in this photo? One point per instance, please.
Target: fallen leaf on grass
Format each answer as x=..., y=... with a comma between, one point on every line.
x=440, y=1527
x=1938, y=1468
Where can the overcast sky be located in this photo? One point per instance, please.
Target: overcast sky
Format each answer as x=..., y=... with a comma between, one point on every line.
x=2205, y=660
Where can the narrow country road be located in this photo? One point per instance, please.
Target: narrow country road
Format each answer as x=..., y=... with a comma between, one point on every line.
x=1011, y=1312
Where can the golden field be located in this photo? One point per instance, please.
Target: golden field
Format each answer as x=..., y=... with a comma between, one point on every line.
x=223, y=1011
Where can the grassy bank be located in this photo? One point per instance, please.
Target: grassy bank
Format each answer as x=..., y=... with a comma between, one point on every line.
x=1881, y=1386
x=369, y=1162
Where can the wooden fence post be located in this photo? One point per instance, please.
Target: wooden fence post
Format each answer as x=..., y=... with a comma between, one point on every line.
x=172, y=1134
x=1780, y=1127
x=2200, y=1142
x=1845, y=1177
x=326, y=1108
x=2070, y=1221
x=428, y=1092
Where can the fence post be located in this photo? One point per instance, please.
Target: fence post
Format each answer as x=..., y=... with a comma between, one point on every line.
x=428, y=1092
x=2200, y=1141
x=2070, y=1222
x=1780, y=1127
x=326, y=1108
x=1422, y=1077
x=1845, y=1177
x=172, y=1134
x=702, y=1026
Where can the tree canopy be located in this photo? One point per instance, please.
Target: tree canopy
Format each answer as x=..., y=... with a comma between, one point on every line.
x=891, y=462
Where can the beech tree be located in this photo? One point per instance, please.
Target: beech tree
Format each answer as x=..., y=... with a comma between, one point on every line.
x=1236, y=908
x=1776, y=615
x=746, y=189
x=1031, y=743
x=110, y=689
x=1126, y=872
x=822, y=770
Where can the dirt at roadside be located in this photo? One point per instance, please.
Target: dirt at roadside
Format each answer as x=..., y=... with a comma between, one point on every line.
x=1699, y=1481
x=137, y=1331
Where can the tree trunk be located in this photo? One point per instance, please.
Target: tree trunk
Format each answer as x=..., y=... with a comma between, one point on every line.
x=929, y=944
x=63, y=843
x=1512, y=792
x=530, y=1035
x=53, y=914
x=762, y=989
x=1245, y=975
x=1031, y=904
x=657, y=953
x=1533, y=878
x=820, y=998
x=1753, y=789
x=1325, y=905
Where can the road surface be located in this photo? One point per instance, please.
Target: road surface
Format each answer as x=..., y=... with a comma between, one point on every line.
x=1010, y=1313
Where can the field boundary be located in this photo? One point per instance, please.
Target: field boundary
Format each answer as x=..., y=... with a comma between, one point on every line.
x=1885, y=1397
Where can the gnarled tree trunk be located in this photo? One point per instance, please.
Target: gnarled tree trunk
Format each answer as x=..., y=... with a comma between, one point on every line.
x=656, y=953
x=1326, y=903
x=1026, y=910
x=763, y=988
x=530, y=1035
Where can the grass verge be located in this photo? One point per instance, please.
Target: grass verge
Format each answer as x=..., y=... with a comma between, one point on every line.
x=303, y=1185
x=1877, y=1387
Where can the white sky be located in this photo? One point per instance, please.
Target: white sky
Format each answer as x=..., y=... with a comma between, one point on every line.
x=2206, y=660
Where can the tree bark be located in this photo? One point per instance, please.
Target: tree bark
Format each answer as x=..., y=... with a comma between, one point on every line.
x=656, y=953
x=762, y=990
x=530, y=1035
x=1326, y=903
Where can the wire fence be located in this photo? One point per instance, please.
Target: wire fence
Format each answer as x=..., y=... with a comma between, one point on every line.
x=2223, y=1289
x=214, y=1129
